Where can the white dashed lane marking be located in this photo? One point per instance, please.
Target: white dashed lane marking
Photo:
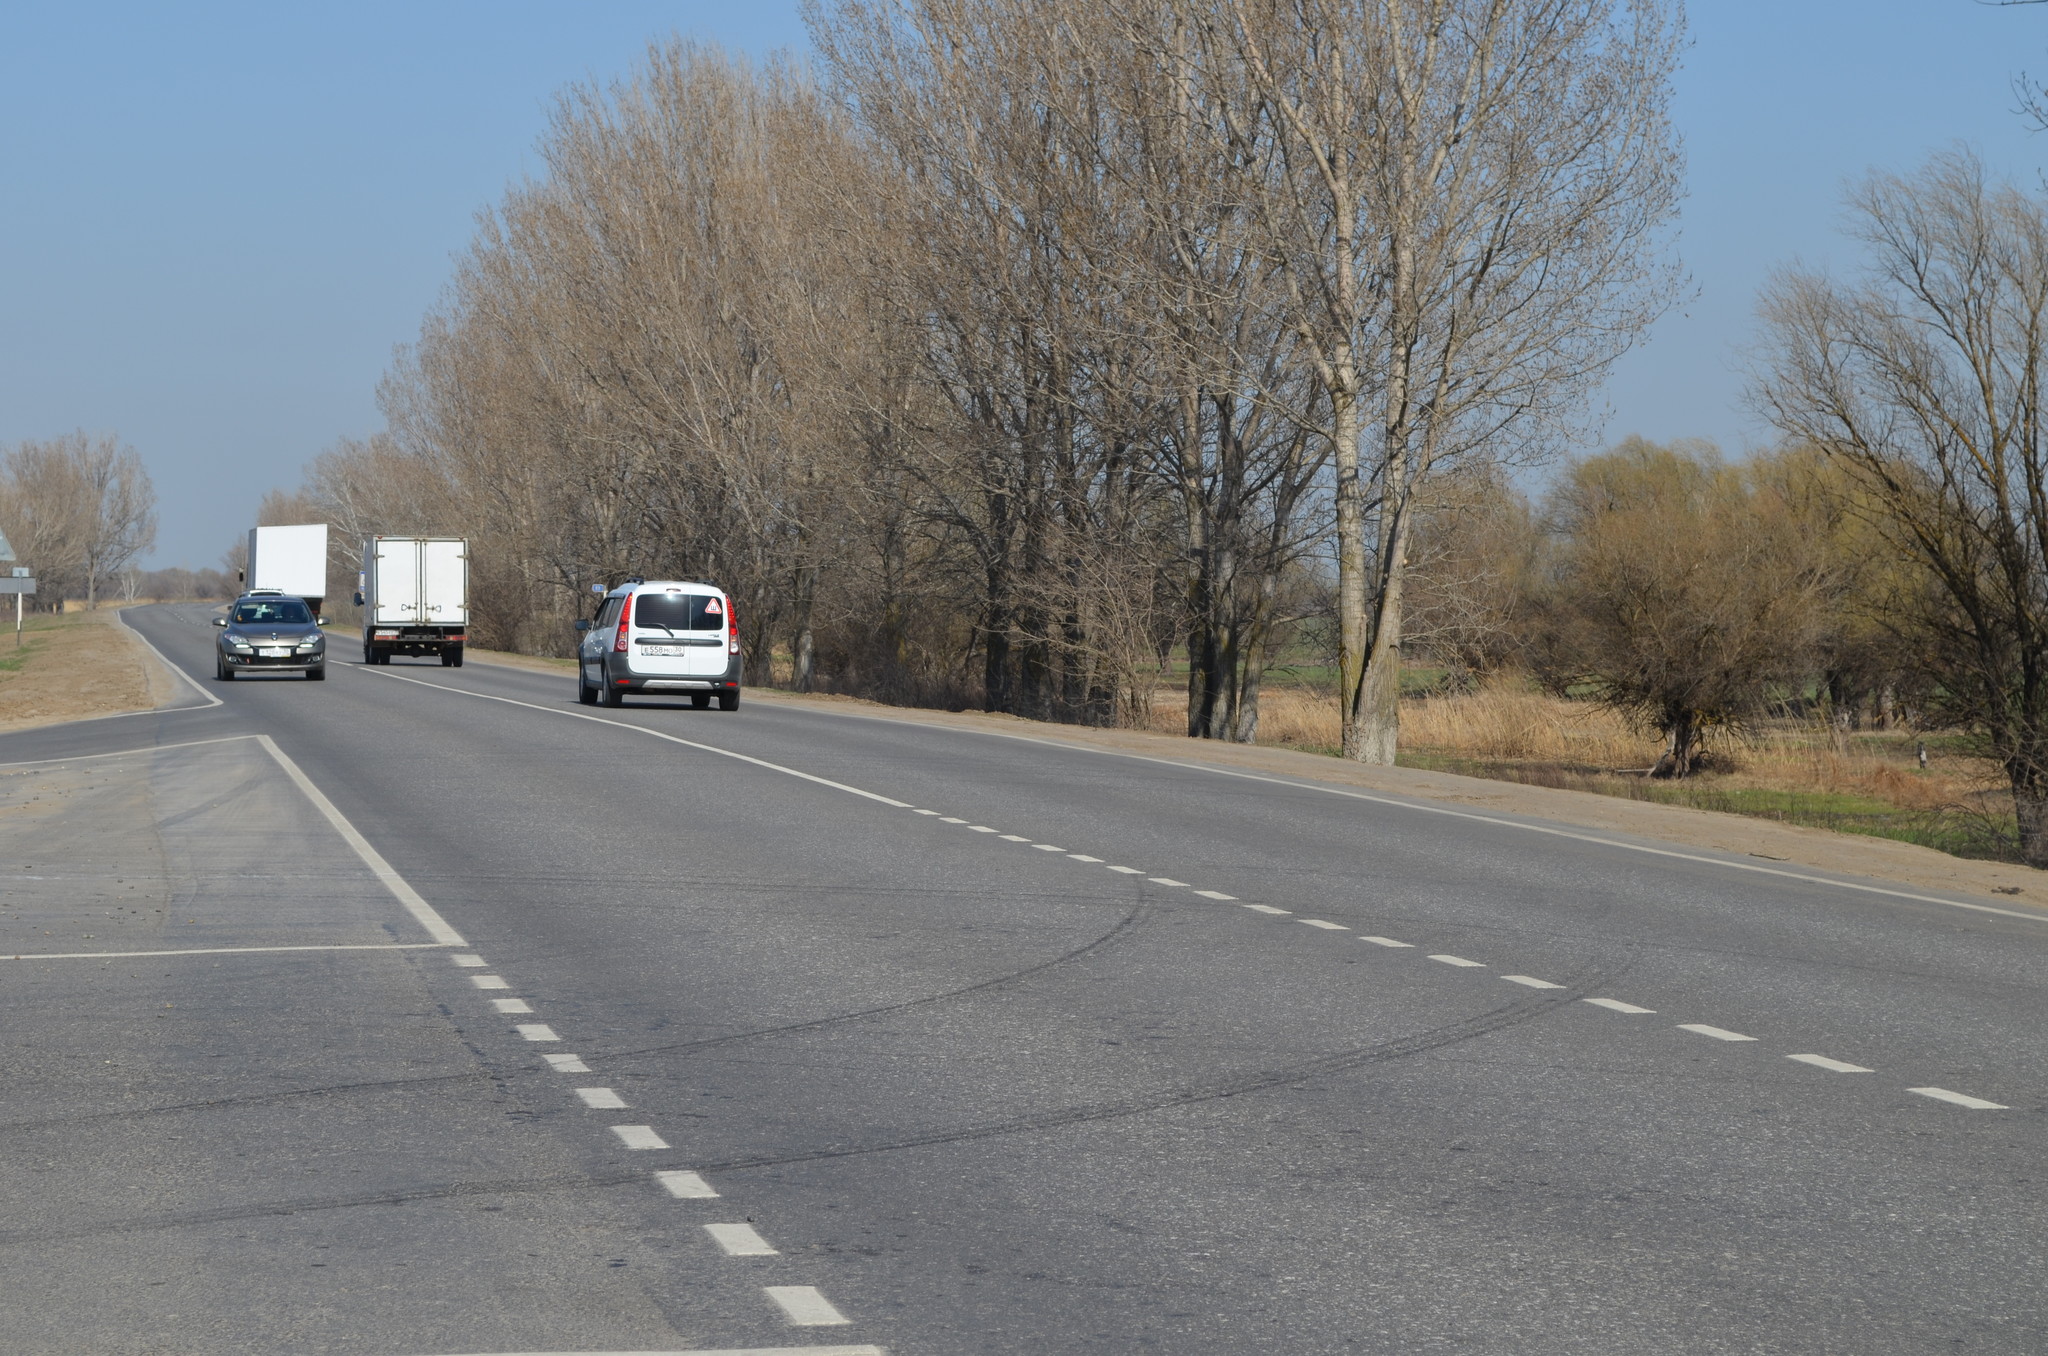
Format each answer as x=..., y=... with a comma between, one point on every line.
x=1082, y=857
x=601, y=1099
x=1015, y=838
x=1168, y=880
x=537, y=1031
x=1460, y=960
x=1832, y=1065
x=472, y=962
x=566, y=1063
x=948, y=819
x=1531, y=981
x=1719, y=1034
x=489, y=981
x=509, y=1005
x=1387, y=941
x=1048, y=847
x=639, y=1137
x=1267, y=908
x=687, y=1186
x=740, y=1240
x=1616, y=1005
x=981, y=828
x=1214, y=894
x=805, y=1307
x=1320, y=923
x=1960, y=1099
x=1127, y=870
x=923, y=812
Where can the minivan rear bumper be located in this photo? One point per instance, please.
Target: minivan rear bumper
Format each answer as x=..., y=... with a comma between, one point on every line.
x=625, y=680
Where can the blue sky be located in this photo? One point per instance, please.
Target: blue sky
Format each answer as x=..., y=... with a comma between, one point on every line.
x=217, y=221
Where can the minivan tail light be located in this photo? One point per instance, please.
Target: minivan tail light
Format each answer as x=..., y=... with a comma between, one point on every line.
x=625, y=620
x=732, y=629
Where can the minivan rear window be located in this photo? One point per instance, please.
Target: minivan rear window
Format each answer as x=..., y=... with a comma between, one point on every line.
x=678, y=612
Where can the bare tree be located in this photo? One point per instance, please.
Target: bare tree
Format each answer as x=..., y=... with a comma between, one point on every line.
x=80, y=508
x=1926, y=379
x=1468, y=199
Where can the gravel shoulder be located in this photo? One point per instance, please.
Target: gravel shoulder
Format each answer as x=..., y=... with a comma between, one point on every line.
x=1793, y=846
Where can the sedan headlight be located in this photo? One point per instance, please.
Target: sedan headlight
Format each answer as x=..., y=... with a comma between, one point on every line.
x=312, y=644
x=238, y=642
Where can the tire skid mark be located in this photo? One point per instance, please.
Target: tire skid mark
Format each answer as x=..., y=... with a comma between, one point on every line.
x=1435, y=1038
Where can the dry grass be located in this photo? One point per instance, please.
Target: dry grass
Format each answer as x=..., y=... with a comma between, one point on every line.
x=1509, y=730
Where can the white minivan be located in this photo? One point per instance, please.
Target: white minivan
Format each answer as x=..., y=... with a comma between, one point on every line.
x=666, y=636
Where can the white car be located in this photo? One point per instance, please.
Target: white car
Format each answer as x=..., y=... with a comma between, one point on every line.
x=661, y=636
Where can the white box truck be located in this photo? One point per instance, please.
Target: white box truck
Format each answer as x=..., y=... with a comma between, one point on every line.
x=291, y=560
x=414, y=592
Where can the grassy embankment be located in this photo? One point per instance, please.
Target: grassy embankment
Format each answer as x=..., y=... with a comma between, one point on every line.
x=70, y=666
x=1791, y=771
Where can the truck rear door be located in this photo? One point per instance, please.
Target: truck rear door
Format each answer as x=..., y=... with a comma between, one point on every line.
x=398, y=581
x=444, y=582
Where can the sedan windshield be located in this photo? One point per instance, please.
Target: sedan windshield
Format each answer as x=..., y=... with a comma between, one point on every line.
x=273, y=612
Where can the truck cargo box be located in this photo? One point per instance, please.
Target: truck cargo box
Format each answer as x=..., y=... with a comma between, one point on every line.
x=290, y=559
x=415, y=597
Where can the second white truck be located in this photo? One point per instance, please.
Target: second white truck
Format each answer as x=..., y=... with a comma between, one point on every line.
x=414, y=592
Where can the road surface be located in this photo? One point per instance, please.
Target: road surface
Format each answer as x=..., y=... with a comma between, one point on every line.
x=426, y=1012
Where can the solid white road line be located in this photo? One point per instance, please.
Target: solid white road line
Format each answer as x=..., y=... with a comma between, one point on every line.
x=1084, y=857
x=1386, y=941
x=123, y=753
x=861, y=1350
x=601, y=1099
x=1960, y=1099
x=223, y=951
x=642, y=729
x=537, y=1031
x=511, y=1005
x=1702, y=1029
x=1460, y=960
x=687, y=1186
x=1319, y=923
x=566, y=1063
x=422, y=912
x=1214, y=894
x=1531, y=981
x=1833, y=1065
x=1615, y=1005
x=469, y=962
x=207, y=698
x=740, y=1240
x=639, y=1137
x=805, y=1306
x=489, y=981
x=1267, y=908
x=1168, y=880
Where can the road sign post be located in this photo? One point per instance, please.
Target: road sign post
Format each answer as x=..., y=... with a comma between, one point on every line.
x=19, y=583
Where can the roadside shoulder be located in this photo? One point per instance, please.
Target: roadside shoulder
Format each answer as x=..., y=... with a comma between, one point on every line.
x=1788, y=845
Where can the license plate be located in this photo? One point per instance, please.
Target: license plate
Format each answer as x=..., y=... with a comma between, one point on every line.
x=275, y=651
x=662, y=649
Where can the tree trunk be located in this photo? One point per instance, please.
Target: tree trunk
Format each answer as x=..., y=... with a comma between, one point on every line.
x=2030, y=810
x=1352, y=636
x=1676, y=763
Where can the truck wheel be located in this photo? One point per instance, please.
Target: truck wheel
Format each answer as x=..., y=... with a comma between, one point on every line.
x=729, y=701
x=369, y=655
x=451, y=657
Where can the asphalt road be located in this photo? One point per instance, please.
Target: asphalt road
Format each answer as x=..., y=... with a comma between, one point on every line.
x=984, y=1045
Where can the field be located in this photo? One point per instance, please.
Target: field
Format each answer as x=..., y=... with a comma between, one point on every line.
x=1794, y=772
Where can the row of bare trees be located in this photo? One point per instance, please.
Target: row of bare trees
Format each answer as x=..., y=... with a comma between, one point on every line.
x=78, y=510
x=1022, y=343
